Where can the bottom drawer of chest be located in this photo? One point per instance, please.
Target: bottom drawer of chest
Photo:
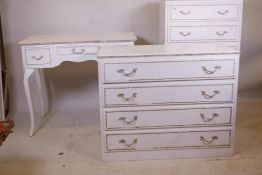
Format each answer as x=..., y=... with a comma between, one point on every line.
x=166, y=140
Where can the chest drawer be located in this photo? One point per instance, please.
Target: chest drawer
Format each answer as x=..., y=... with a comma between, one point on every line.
x=164, y=95
x=167, y=140
x=157, y=118
x=203, y=12
x=170, y=70
x=202, y=33
x=37, y=56
x=76, y=50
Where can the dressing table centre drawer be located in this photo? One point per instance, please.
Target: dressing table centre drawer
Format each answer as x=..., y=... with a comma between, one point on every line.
x=76, y=50
x=167, y=71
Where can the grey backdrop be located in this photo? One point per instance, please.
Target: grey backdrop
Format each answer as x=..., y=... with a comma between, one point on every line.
x=71, y=83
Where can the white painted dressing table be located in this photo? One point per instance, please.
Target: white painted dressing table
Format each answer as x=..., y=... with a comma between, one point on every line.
x=48, y=51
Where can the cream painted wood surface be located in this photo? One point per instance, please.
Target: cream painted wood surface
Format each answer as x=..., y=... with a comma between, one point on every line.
x=48, y=51
x=202, y=21
x=159, y=116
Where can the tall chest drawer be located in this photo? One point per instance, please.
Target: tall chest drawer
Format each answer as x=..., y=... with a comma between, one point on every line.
x=203, y=12
x=169, y=70
x=203, y=33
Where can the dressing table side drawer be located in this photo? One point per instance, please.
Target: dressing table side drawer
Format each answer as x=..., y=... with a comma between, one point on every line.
x=37, y=55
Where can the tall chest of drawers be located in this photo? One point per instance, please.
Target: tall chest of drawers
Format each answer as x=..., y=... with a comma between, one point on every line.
x=160, y=102
x=201, y=21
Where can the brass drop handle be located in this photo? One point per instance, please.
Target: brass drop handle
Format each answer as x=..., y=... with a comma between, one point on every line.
x=184, y=12
x=208, y=142
x=38, y=58
x=185, y=34
x=124, y=73
x=205, y=119
x=127, y=99
x=223, y=12
x=130, y=145
x=207, y=71
x=222, y=33
x=131, y=122
x=207, y=96
x=78, y=52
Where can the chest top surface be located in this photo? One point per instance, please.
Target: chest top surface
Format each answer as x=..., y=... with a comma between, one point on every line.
x=79, y=38
x=164, y=50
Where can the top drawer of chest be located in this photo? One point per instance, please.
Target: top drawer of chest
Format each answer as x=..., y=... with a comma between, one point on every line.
x=203, y=11
x=168, y=70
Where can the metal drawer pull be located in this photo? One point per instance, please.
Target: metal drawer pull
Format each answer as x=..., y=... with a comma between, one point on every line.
x=129, y=146
x=185, y=34
x=222, y=34
x=208, y=142
x=185, y=13
x=81, y=51
x=223, y=13
x=209, y=71
x=204, y=94
x=205, y=119
x=37, y=58
x=127, y=99
x=131, y=122
x=131, y=74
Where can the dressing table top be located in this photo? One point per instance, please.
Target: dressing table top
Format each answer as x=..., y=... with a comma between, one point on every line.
x=79, y=38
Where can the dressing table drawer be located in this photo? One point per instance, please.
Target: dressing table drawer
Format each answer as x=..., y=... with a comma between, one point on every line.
x=168, y=94
x=167, y=118
x=202, y=33
x=204, y=12
x=76, y=50
x=158, y=140
x=37, y=55
x=167, y=71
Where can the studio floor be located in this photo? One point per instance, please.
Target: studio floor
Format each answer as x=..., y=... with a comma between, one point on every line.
x=66, y=145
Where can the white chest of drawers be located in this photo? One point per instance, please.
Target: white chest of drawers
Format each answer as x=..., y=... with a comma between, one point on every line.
x=161, y=102
x=201, y=21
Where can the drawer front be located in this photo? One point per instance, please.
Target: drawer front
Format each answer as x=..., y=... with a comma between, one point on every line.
x=168, y=118
x=167, y=140
x=164, y=71
x=202, y=33
x=203, y=12
x=168, y=95
x=37, y=56
x=76, y=50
